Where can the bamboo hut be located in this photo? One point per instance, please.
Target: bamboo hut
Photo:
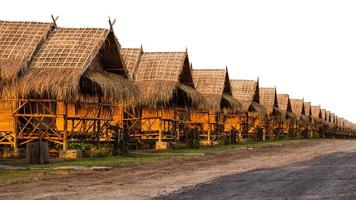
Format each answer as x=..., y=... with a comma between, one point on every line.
x=300, y=125
x=268, y=99
x=68, y=86
x=287, y=117
x=166, y=95
x=253, y=113
x=221, y=115
x=18, y=43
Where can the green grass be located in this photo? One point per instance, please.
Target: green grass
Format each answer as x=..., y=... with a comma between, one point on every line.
x=35, y=172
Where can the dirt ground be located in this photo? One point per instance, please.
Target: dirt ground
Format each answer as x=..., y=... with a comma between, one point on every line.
x=153, y=180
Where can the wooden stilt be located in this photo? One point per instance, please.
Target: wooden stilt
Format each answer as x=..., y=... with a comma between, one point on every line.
x=15, y=145
x=239, y=137
x=209, y=129
x=65, y=128
x=160, y=125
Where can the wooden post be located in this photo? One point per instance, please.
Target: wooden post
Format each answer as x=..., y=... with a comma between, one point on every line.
x=15, y=127
x=209, y=128
x=246, y=128
x=239, y=137
x=65, y=128
x=264, y=130
x=175, y=124
x=160, y=125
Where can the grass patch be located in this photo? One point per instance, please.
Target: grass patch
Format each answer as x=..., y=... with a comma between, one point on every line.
x=36, y=172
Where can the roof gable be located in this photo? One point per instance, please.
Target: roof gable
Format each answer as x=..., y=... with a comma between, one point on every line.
x=245, y=90
x=284, y=102
x=214, y=84
x=268, y=99
x=18, y=43
x=298, y=106
x=131, y=57
x=167, y=66
x=78, y=61
x=307, y=109
x=316, y=112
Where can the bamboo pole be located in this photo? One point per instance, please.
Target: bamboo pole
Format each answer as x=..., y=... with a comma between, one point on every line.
x=160, y=125
x=65, y=128
x=15, y=128
x=209, y=128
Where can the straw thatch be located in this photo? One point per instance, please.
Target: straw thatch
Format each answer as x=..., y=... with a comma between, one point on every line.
x=332, y=118
x=18, y=43
x=78, y=64
x=327, y=116
x=323, y=114
x=298, y=107
x=131, y=57
x=307, y=109
x=165, y=79
x=268, y=99
x=341, y=122
x=285, y=106
x=247, y=93
x=214, y=84
x=316, y=111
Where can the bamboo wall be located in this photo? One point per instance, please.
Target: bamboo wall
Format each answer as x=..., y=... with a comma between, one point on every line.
x=7, y=109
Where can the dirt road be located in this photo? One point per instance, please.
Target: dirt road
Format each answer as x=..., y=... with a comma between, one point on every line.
x=328, y=177
x=261, y=174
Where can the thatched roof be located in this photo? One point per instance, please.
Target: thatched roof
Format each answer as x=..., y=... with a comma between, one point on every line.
x=165, y=79
x=247, y=93
x=131, y=57
x=78, y=64
x=268, y=99
x=214, y=84
x=327, y=116
x=307, y=109
x=332, y=118
x=298, y=107
x=323, y=114
x=316, y=111
x=18, y=43
x=341, y=122
x=284, y=102
x=285, y=106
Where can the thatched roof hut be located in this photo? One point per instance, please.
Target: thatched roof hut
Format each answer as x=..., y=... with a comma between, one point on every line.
x=247, y=93
x=78, y=64
x=298, y=107
x=214, y=84
x=268, y=99
x=316, y=112
x=285, y=106
x=163, y=78
x=307, y=109
x=18, y=44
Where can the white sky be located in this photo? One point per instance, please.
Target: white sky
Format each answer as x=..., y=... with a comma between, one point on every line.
x=307, y=48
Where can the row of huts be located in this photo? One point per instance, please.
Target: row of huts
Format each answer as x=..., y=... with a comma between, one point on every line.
x=78, y=84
